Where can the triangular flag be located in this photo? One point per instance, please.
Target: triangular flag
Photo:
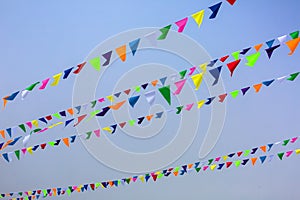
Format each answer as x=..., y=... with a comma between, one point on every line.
x=181, y=24
x=97, y=132
x=270, y=43
x=140, y=120
x=224, y=58
x=262, y=159
x=222, y=97
x=292, y=44
x=22, y=126
x=166, y=93
x=237, y=163
x=198, y=17
x=66, y=141
x=179, y=85
x=121, y=51
x=179, y=108
x=228, y=164
x=257, y=47
x=236, y=55
x=17, y=153
x=95, y=62
x=215, y=9
x=231, y=2
x=127, y=91
x=12, y=96
x=66, y=74
x=131, y=122
x=253, y=160
x=159, y=114
x=149, y=117
x=294, y=35
x=257, y=87
x=150, y=97
x=200, y=103
x=244, y=90
x=281, y=39
x=280, y=155
x=133, y=100
x=79, y=119
x=79, y=68
x=144, y=86
x=163, y=80
x=56, y=79
x=31, y=87
x=216, y=74
x=264, y=148
x=103, y=112
x=154, y=83
x=134, y=45
x=44, y=83
x=293, y=76
x=117, y=94
x=107, y=57
x=212, y=63
x=203, y=67
x=271, y=50
x=197, y=79
x=117, y=106
x=252, y=59
x=164, y=32
x=110, y=98
x=114, y=127
x=244, y=51
x=288, y=153
x=234, y=93
x=209, y=100
x=232, y=66
x=182, y=74
x=189, y=106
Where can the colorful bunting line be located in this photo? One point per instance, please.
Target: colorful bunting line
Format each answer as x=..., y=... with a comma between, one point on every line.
x=185, y=169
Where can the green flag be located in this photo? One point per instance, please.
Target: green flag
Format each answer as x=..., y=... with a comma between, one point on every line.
x=164, y=32
x=166, y=93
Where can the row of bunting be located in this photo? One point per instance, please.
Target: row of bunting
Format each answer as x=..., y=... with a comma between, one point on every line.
x=216, y=164
x=121, y=51
x=112, y=128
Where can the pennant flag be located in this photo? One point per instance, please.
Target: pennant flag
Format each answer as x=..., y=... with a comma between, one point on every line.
x=197, y=79
x=79, y=119
x=107, y=57
x=66, y=141
x=262, y=159
x=257, y=87
x=24, y=93
x=121, y=51
x=95, y=62
x=179, y=108
x=231, y=2
x=257, y=47
x=140, y=120
x=12, y=96
x=144, y=86
x=189, y=106
x=181, y=24
x=163, y=80
x=6, y=157
x=268, y=83
x=245, y=161
x=182, y=74
x=212, y=63
x=285, y=142
x=2, y=132
x=294, y=139
x=22, y=126
x=224, y=58
x=56, y=79
x=288, y=153
x=200, y=103
x=209, y=100
x=179, y=85
x=114, y=128
x=122, y=124
x=31, y=87
x=127, y=91
x=292, y=44
x=294, y=35
x=253, y=160
x=252, y=59
x=280, y=155
x=97, y=132
x=165, y=92
x=234, y=93
x=281, y=39
x=247, y=152
x=108, y=129
x=216, y=74
x=17, y=153
x=159, y=115
x=237, y=163
x=203, y=67
x=244, y=90
x=137, y=88
x=134, y=45
x=150, y=97
x=45, y=82
x=236, y=55
x=103, y=112
x=117, y=106
x=293, y=76
x=215, y=9
x=164, y=32
x=66, y=73
x=270, y=146
x=133, y=100
x=244, y=51
x=220, y=166
x=271, y=50
x=222, y=97
x=254, y=150
x=228, y=164
x=198, y=17
x=264, y=148
x=110, y=98
x=297, y=151
x=79, y=68
x=232, y=66
x=68, y=122
x=270, y=43
x=117, y=94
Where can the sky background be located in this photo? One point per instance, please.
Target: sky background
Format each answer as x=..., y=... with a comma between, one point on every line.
x=40, y=39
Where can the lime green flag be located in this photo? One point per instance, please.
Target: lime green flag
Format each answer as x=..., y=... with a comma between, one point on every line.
x=51, y=143
x=164, y=32
x=131, y=122
x=57, y=115
x=252, y=59
x=69, y=191
x=166, y=93
x=237, y=163
x=95, y=62
x=247, y=152
x=234, y=93
x=137, y=88
x=236, y=55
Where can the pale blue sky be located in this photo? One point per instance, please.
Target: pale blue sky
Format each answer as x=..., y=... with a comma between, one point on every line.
x=39, y=39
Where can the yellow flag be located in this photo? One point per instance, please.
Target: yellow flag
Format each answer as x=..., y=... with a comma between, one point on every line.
x=110, y=98
x=197, y=79
x=297, y=151
x=212, y=167
x=108, y=129
x=35, y=123
x=198, y=17
x=225, y=158
x=203, y=67
x=56, y=79
x=201, y=103
x=142, y=178
x=29, y=149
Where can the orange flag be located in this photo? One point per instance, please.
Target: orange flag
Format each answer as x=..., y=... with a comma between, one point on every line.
x=263, y=148
x=292, y=44
x=257, y=47
x=154, y=83
x=70, y=110
x=117, y=105
x=257, y=87
x=253, y=161
x=66, y=141
x=121, y=51
x=149, y=117
x=2, y=132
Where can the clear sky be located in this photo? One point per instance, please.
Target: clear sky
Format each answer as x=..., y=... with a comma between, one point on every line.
x=39, y=39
